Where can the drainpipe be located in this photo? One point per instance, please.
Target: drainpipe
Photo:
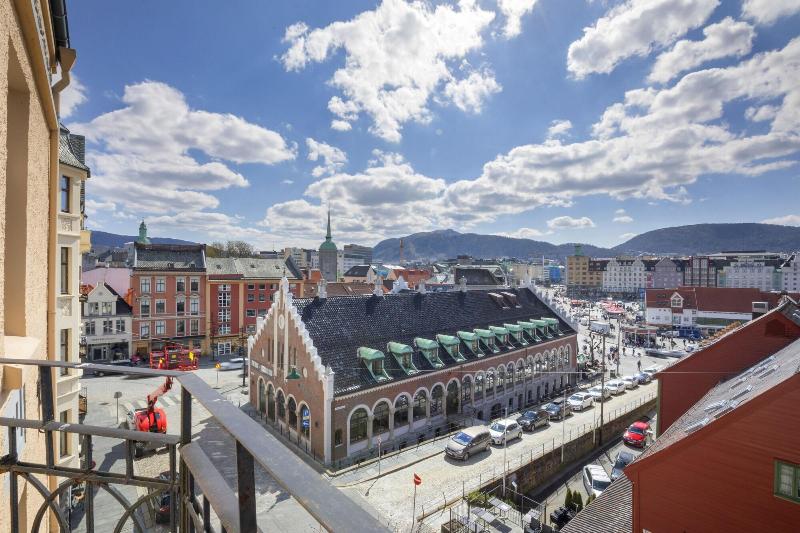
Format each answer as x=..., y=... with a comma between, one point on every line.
x=67, y=60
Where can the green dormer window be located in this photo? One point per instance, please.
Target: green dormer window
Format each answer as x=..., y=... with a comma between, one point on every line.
x=515, y=331
x=553, y=323
x=451, y=345
x=373, y=360
x=486, y=338
x=430, y=350
x=500, y=334
x=402, y=353
x=542, y=328
x=471, y=340
x=530, y=330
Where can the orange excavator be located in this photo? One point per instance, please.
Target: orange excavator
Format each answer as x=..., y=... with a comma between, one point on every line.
x=151, y=418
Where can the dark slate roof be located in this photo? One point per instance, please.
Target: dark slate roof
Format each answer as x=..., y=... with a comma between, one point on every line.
x=339, y=326
x=358, y=271
x=611, y=512
x=71, y=149
x=475, y=276
x=186, y=257
x=731, y=394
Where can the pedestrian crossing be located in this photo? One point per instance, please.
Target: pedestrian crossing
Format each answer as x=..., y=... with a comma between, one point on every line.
x=164, y=401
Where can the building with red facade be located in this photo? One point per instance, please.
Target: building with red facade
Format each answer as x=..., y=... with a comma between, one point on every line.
x=730, y=461
x=168, y=283
x=239, y=291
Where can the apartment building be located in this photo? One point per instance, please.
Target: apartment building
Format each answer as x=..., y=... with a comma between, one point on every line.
x=168, y=283
x=39, y=287
x=107, y=323
x=667, y=274
x=239, y=291
x=790, y=274
x=624, y=275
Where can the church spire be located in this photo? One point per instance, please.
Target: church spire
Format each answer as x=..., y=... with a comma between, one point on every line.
x=143, y=239
x=328, y=234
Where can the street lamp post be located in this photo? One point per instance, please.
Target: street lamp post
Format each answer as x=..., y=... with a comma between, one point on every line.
x=563, y=424
x=505, y=447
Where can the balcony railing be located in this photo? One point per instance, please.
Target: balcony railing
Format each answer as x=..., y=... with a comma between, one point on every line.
x=189, y=466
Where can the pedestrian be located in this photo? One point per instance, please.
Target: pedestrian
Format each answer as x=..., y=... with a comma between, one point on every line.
x=639, y=365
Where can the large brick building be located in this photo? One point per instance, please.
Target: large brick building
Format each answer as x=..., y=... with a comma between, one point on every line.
x=395, y=367
x=239, y=291
x=168, y=296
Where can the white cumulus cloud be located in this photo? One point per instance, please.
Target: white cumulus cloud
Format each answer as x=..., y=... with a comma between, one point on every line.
x=514, y=10
x=786, y=220
x=621, y=217
x=766, y=12
x=332, y=159
x=558, y=128
x=634, y=28
x=568, y=222
x=725, y=38
x=71, y=97
x=396, y=57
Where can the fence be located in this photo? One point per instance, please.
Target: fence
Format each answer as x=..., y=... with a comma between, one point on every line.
x=493, y=474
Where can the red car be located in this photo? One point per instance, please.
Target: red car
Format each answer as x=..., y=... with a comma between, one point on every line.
x=636, y=434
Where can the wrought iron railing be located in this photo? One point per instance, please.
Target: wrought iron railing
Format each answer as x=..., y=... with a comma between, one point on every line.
x=203, y=496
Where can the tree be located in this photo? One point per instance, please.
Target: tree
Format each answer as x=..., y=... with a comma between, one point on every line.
x=578, y=501
x=568, y=499
x=230, y=249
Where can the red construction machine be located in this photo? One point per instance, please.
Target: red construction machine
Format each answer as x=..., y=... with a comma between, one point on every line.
x=174, y=357
x=151, y=418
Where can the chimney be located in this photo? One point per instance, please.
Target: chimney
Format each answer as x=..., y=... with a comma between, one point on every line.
x=378, y=290
x=322, y=289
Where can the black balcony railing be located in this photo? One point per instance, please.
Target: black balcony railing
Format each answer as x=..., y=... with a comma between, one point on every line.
x=203, y=495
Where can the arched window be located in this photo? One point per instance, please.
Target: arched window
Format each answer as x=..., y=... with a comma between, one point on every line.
x=538, y=365
x=358, y=425
x=305, y=420
x=501, y=379
x=510, y=376
x=281, y=401
x=271, y=402
x=529, y=367
x=436, y=400
x=480, y=381
x=380, y=418
x=489, y=383
x=420, y=405
x=466, y=390
x=401, y=411
x=291, y=407
x=520, y=375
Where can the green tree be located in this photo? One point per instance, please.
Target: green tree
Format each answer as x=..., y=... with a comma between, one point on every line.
x=230, y=249
x=578, y=501
x=568, y=499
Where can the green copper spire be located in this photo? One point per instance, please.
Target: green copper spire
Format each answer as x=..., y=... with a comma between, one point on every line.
x=328, y=234
x=143, y=234
x=328, y=244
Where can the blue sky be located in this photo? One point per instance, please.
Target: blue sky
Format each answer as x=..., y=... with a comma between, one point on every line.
x=559, y=120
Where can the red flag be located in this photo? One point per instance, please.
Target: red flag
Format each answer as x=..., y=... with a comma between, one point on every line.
x=417, y=480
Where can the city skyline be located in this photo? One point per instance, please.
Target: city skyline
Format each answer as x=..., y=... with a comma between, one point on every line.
x=558, y=121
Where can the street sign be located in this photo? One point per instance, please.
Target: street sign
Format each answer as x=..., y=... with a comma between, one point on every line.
x=217, y=366
x=117, y=395
x=417, y=479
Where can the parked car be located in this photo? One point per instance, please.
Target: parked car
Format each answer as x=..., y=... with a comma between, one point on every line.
x=505, y=430
x=617, y=386
x=237, y=363
x=631, y=382
x=118, y=362
x=595, y=479
x=530, y=420
x=468, y=441
x=580, y=401
x=557, y=409
x=644, y=378
x=623, y=459
x=561, y=516
x=600, y=393
x=636, y=434
x=652, y=369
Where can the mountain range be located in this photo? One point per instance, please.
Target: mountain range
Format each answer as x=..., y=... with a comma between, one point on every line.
x=678, y=240
x=101, y=239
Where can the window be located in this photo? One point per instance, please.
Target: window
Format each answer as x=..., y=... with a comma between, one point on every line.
x=224, y=315
x=262, y=312
x=88, y=328
x=65, y=194
x=358, y=425
x=251, y=298
x=63, y=436
x=224, y=348
x=251, y=313
x=144, y=307
x=380, y=418
x=194, y=284
x=420, y=405
x=224, y=329
x=120, y=325
x=787, y=481
x=161, y=285
x=262, y=297
x=262, y=286
x=161, y=327
x=161, y=307
x=180, y=306
x=251, y=286
x=64, y=349
x=106, y=308
x=401, y=411
x=194, y=306
x=94, y=308
x=64, y=270
x=180, y=328
x=108, y=327
x=224, y=297
x=144, y=330
x=251, y=329
x=436, y=400
x=180, y=284
x=194, y=327
x=144, y=285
